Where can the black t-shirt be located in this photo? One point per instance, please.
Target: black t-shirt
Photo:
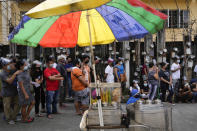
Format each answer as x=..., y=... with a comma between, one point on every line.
x=145, y=88
x=166, y=76
x=36, y=75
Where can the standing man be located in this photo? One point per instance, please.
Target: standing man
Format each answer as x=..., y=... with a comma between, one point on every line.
x=86, y=68
x=62, y=87
x=52, y=84
x=79, y=86
x=9, y=91
x=166, y=83
x=68, y=68
x=109, y=71
x=176, y=74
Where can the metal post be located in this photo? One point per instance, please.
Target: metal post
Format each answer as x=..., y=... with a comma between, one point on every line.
x=94, y=70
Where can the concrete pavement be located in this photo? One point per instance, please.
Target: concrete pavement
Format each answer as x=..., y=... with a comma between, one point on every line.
x=184, y=119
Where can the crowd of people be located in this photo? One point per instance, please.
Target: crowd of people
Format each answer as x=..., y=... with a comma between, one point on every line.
x=164, y=82
x=25, y=86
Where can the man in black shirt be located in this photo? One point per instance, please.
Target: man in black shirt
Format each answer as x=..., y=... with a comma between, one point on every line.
x=165, y=83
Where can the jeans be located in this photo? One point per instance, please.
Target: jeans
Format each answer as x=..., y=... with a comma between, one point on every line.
x=51, y=99
x=11, y=113
x=170, y=95
x=70, y=91
x=39, y=96
x=153, y=91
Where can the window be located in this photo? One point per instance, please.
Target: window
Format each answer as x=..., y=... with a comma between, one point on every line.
x=177, y=18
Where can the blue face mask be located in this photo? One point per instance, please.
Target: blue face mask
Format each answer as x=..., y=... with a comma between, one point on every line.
x=8, y=67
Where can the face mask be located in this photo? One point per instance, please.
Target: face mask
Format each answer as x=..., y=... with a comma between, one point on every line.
x=87, y=61
x=25, y=68
x=121, y=63
x=145, y=84
x=178, y=61
x=51, y=65
x=8, y=67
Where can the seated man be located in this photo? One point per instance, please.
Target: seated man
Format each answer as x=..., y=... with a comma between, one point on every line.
x=185, y=94
x=145, y=90
x=193, y=84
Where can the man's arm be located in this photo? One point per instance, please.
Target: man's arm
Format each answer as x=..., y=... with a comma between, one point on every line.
x=12, y=78
x=116, y=74
x=83, y=81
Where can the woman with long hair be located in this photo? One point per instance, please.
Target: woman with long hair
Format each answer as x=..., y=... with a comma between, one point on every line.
x=26, y=99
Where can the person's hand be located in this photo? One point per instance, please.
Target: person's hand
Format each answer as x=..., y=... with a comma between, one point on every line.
x=170, y=83
x=26, y=97
x=18, y=72
x=61, y=78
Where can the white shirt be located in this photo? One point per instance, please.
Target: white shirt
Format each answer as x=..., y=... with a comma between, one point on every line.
x=177, y=74
x=195, y=69
x=110, y=74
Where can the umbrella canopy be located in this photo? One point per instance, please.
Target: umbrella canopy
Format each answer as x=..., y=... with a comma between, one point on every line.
x=117, y=20
x=59, y=7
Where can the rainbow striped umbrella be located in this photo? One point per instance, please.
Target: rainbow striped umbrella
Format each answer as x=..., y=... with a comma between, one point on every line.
x=117, y=20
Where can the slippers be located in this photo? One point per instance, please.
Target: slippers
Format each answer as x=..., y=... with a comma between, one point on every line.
x=49, y=117
x=28, y=121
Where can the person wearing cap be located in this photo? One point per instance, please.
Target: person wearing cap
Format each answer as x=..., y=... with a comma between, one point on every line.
x=9, y=90
x=165, y=83
x=62, y=87
x=79, y=86
x=109, y=71
x=184, y=94
x=176, y=74
x=37, y=79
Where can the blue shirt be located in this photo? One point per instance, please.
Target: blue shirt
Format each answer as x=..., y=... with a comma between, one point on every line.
x=67, y=66
x=120, y=69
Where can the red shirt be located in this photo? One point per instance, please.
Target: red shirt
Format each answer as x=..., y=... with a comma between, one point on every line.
x=51, y=85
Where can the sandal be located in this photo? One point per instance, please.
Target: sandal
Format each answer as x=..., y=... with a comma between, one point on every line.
x=28, y=121
x=49, y=117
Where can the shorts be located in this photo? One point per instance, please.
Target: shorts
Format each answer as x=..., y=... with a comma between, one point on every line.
x=82, y=96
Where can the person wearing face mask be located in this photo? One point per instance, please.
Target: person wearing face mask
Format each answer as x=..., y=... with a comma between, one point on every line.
x=68, y=68
x=153, y=80
x=85, y=68
x=176, y=74
x=26, y=99
x=62, y=87
x=120, y=74
x=9, y=90
x=80, y=88
x=145, y=90
x=166, y=83
x=37, y=79
x=53, y=77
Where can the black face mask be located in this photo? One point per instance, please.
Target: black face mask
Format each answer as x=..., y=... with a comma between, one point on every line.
x=87, y=61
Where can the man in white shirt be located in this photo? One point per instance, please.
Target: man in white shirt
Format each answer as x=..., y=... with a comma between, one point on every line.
x=109, y=71
x=176, y=73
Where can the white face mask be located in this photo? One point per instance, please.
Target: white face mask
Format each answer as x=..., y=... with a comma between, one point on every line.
x=121, y=62
x=51, y=65
x=178, y=61
x=25, y=68
x=145, y=84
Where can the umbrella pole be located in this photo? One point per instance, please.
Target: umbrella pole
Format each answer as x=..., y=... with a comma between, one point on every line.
x=95, y=78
